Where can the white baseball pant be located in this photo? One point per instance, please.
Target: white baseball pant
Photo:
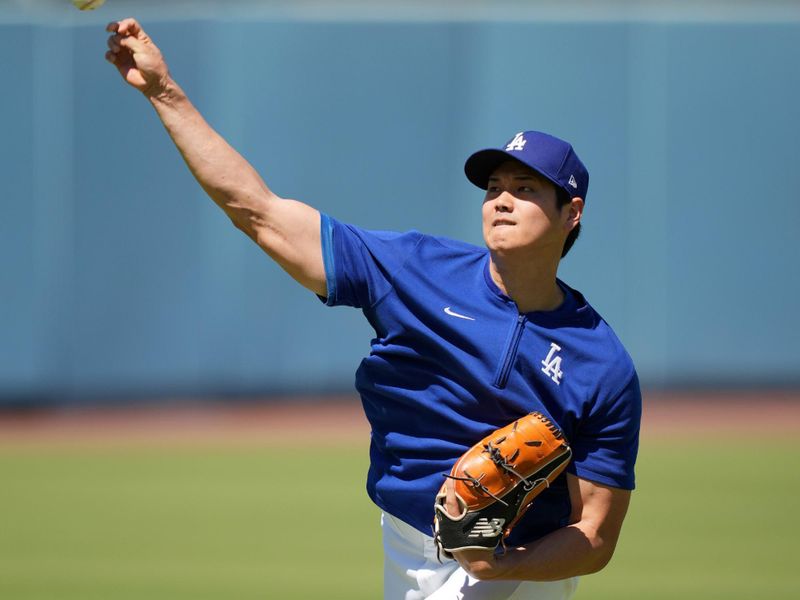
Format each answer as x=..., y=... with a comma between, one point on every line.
x=411, y=571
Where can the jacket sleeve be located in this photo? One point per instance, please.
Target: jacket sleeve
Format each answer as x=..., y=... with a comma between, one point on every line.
x=360, y=265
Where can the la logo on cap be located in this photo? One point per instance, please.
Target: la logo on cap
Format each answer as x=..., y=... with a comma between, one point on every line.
x=518, y=143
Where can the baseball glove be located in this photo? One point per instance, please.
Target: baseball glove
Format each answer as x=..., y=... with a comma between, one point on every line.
x=496, y=481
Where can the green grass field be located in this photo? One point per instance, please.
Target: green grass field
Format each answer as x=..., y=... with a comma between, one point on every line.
x=708, y=521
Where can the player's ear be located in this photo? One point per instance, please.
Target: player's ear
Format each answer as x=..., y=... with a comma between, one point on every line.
x=572, y=213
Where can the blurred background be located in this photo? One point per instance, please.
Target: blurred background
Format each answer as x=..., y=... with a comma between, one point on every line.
x=122, y=284
x=120, y=278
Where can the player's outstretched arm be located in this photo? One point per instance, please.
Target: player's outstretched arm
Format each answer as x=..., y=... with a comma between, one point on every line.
x=287, y=230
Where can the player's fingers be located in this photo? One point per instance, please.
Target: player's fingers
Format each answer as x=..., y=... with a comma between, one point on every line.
x=118, y=59
x=113, y=43
x=131, y=43
x=129, y=26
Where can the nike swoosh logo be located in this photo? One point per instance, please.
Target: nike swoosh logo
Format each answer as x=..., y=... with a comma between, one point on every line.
x=455, y=314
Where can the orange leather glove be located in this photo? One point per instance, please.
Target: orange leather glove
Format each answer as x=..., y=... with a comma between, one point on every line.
x=496, y=481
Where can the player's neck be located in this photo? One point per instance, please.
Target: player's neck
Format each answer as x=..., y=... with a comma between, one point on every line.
x=529, y=283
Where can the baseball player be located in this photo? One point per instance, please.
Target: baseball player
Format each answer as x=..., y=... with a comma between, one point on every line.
x=467, y=339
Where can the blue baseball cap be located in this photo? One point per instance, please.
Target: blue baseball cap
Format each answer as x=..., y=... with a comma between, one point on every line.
x=546, y=154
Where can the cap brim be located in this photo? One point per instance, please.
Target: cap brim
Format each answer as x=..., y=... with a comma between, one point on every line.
x=480, y=166
x=483, y=163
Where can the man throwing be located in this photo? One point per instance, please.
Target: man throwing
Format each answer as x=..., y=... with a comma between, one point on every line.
x=467, y=340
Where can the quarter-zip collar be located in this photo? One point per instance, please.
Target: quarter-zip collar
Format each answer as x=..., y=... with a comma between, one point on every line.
x=572, y=311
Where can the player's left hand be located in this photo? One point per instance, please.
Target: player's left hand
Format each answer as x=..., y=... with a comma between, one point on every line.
x=491, y=486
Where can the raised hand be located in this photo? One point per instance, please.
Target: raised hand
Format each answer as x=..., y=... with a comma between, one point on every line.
x=137, y=58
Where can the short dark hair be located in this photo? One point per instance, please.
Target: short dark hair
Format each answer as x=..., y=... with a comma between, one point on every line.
x=562, y=199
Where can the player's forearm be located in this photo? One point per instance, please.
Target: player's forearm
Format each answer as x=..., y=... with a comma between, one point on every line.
x=567, y=552
x=223, y=173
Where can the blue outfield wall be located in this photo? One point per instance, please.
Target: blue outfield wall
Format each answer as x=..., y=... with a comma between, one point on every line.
x=119, y=277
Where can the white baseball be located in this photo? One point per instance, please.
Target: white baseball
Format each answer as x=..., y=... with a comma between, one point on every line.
x=88, y=4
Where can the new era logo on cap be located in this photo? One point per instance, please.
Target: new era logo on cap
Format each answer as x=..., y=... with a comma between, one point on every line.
x=552, y=157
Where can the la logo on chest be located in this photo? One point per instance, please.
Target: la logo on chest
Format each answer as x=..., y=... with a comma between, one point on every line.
x=551, y=365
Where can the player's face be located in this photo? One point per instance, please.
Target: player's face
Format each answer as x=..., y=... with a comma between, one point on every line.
x=520, y=211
